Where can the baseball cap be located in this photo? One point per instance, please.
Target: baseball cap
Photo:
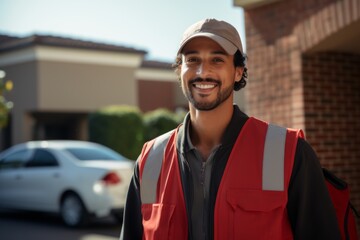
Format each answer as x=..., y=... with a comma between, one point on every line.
x=221, y=32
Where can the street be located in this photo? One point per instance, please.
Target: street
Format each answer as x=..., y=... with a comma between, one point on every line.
x=40, y=226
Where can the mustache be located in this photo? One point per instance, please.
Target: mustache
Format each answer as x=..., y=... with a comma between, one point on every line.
x=199, y=79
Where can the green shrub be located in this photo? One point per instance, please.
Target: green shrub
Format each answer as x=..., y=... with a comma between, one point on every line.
x=158, y=122
x=119, y=127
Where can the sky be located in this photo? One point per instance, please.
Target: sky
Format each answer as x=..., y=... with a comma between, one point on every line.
x=155, y=26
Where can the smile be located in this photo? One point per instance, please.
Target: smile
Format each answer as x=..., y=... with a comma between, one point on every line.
x=204, y=86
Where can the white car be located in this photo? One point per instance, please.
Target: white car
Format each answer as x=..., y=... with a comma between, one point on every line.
x=76, y=179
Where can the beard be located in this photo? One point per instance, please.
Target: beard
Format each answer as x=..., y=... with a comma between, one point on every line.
x=221, y=97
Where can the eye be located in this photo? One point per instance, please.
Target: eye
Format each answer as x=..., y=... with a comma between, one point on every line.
x=218, y=60
x=192, y=60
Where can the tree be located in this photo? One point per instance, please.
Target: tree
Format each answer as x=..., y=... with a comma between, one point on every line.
x=5, y=106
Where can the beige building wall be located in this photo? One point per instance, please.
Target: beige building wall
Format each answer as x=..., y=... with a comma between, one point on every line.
x=239, y=99
x=84, y=87
x=23, y=95
x=52, y=82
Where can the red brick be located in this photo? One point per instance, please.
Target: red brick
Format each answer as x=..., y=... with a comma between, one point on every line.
x=318, y=92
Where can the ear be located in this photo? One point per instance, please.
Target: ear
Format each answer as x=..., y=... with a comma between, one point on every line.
x=178, y=64
x=238, y=73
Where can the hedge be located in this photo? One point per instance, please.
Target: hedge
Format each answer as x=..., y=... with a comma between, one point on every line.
x=125, y=129
x=118, y=127
x=158, y=122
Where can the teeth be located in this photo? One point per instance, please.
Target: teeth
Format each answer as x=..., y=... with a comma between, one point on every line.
x=204, y=86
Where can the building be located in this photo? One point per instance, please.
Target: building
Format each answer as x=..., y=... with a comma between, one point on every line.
x=304, y=70
x=58, y=81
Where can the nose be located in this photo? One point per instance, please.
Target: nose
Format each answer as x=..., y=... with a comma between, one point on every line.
x=203, y=70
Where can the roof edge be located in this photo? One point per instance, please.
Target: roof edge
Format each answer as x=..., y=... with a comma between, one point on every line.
x=251, y=4
x=10, y=43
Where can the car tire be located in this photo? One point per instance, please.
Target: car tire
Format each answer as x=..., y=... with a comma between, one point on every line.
x=73, y=211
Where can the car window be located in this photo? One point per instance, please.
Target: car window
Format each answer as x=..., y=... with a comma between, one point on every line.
x=42, y=158
x=94, y=154
x=14, y=160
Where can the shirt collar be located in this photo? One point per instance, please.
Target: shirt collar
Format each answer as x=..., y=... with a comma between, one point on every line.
x=230, y=135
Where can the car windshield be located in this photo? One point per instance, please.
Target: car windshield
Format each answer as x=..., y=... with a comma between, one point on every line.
x=94, y=154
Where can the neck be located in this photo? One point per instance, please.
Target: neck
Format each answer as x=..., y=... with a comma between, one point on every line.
x=207, y=127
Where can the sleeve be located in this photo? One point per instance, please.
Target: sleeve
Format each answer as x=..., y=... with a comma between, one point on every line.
x=310, y=209
x=132, y=220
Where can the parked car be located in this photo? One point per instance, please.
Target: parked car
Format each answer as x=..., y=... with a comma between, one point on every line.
x=76, y=179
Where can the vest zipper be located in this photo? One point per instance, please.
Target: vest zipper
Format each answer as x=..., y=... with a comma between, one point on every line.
x=202, y=176
x=202, y=181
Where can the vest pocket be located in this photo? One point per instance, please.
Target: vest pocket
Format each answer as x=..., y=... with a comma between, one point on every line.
x=157, y=220
x=256, y=214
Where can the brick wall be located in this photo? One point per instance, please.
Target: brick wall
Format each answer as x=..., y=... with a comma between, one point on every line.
x=277, y=35
x=332, y=113
x=296, y=81
x=274, y=90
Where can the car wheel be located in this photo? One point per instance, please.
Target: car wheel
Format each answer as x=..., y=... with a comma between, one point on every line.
x=73, y=211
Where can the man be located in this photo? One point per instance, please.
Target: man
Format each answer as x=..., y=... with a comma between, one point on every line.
x=222, y=174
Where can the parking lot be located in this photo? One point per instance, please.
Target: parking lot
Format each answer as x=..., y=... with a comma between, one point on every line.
x=39, y=226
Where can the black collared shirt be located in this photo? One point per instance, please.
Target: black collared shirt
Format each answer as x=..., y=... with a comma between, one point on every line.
x=311, y=213
x=200, y=173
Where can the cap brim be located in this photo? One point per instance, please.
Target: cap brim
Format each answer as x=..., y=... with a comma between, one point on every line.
x=229, y=47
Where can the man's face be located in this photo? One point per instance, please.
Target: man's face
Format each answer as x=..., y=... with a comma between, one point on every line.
x=207, y=74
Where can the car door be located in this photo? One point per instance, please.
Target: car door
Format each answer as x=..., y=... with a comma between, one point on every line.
x=43, y=177
x=12, y=187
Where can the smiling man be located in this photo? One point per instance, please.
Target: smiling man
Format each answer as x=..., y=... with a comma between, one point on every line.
x=208, y=78
x=222, y=174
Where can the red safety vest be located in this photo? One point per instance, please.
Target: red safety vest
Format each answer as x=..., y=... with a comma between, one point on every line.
x=252, y=196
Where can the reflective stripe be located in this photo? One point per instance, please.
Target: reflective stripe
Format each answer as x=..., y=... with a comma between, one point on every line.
x=152, y=169
x=272, y=172
x=273, y=161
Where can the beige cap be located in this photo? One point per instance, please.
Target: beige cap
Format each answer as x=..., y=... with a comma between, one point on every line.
x=220, y=31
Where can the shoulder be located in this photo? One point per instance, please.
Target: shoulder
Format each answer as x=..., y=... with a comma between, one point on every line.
x=306, y=161
x=154, y=148
x=305, y=151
